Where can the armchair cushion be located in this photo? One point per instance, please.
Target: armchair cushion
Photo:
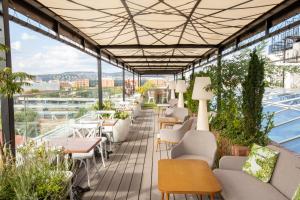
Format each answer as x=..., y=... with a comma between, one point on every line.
x=237, y=185
x=209, y=161
x=232, y=162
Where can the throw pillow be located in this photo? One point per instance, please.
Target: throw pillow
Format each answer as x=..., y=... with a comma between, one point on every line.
x=297, y=194
x=261, y=162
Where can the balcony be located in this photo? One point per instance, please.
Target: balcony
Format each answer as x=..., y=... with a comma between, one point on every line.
x=100, y=119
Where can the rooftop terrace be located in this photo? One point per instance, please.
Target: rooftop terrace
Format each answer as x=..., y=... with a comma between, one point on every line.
x=233, y=63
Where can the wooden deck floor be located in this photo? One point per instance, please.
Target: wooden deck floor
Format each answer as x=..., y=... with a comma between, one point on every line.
x=131, y=171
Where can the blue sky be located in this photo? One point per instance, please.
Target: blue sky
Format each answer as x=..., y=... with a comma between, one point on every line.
x=36, y=54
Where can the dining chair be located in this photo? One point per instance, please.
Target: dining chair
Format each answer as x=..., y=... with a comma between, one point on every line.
x=151, y=96
x=165, y=96
x=87, y=131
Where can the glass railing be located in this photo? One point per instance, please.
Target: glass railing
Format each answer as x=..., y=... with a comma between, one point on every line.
x=39, y=114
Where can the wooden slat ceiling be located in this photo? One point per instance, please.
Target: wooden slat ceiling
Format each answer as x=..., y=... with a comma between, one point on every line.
x=150, y=31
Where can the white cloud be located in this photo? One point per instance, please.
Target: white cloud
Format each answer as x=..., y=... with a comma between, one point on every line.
x=16, y=45
x=54, y=59
x=26, y=36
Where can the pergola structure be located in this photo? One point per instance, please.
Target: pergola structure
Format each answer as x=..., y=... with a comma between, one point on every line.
x=149, y=36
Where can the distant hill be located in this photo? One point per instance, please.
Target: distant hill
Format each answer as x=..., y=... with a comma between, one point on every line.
x=72, y=76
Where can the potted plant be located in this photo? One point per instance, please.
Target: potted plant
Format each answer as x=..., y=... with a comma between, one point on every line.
x=35, y=175
x=142, y=90
x=251, y=130
x=121, y=128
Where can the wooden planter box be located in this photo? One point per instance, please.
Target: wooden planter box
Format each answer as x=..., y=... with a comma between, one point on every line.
x=238, y=150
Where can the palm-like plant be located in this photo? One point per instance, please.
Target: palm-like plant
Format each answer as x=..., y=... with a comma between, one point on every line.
x=11, y=82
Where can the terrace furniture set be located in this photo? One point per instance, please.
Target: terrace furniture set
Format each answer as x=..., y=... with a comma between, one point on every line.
x=238, y=185
x=194, y=156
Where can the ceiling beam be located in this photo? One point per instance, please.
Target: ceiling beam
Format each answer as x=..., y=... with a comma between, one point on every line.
x=158, y=72
x=162, y=56
x=158, y=66
x=157, y=61
x=170, y=46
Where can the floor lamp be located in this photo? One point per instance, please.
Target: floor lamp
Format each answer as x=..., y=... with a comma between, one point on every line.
x=172, y=87
x=202, y=93
x=180, y=88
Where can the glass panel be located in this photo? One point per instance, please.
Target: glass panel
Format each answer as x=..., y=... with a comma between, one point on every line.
x=286, y=131
x=293, y=145
x=64, y=88
x=111, y=82
x=286, y=115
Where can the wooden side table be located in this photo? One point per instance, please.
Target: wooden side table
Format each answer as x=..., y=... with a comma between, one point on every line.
x=186, y=177
x=164, y=121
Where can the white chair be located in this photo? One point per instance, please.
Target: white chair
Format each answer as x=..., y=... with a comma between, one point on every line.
x=151, y=96
x=165, y=96
x=87, y=130
x=110, y=113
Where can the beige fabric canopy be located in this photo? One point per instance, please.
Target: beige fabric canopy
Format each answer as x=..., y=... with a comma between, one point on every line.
x=126, y=27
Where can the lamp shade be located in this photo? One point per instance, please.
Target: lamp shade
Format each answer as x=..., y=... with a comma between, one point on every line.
x=200, y=88
x=180, y=86
x=172, y=85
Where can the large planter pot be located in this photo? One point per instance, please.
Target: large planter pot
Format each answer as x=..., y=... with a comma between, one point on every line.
x=121, y=130
x=136, y=111
x=238, y=150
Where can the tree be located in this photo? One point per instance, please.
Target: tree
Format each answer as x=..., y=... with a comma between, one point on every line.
x=252, y=95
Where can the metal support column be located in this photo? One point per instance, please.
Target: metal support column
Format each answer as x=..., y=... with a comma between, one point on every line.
x=123, y=78
x=7, y=104
x=99, y=67
x=133, y=83
x=284, y=58
x=182, y=75
x=219, y=79
x=193, y=70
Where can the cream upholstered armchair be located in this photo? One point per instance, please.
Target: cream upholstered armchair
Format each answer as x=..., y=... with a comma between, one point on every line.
x=179, y=113
x=173, y=136
x=195, y=144
x=173, y=116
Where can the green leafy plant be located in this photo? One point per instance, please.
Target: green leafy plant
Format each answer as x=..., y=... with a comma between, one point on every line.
x=231, y=120
x=106, y=105
x=252, y=108
x=144, y=88
x=37, y=174
x=11, y=82
x=121, y=115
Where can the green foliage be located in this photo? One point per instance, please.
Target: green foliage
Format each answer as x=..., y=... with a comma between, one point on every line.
x=26, y=116
x=26, y=122
x=106, y=105
x=81, y=112
x=150, y=105
x=36, y=175
x=231, y=119
x=11, y=82
x=121, y=115
x=252, y=109
x=144, y=88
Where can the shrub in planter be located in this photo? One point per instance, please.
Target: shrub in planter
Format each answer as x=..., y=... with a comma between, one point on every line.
x=121, y=128
x=35, y=174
